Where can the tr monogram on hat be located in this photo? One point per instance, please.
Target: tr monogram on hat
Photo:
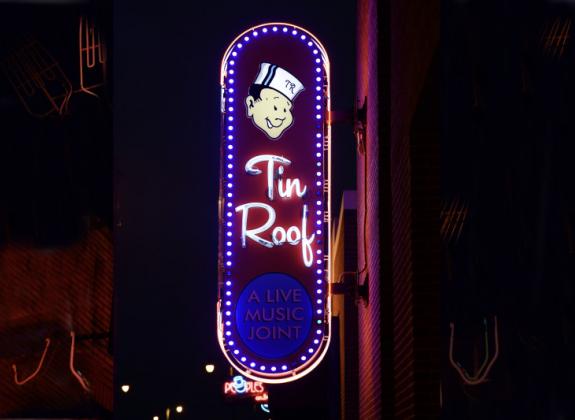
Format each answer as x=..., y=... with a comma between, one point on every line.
x=275, y=77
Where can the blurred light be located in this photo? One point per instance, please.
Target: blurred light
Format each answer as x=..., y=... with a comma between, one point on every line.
x=155, y=418
x=179, y=409
x=125, y=388
x=210, y=368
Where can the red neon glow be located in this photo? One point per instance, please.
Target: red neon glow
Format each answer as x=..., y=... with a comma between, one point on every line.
x=481, y=374
x=38, y=80
x=76, y=374
x=33, y=375
x=93, y=59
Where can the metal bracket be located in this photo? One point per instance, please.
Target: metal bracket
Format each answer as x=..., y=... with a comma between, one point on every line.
x=350, y=287
x=360, y=124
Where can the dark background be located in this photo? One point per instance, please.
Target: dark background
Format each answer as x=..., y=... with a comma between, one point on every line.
x=166, y=128
x=507, y=147
x=54, y=171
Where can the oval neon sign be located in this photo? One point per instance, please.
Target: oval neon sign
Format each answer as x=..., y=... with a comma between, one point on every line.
x=274, y=303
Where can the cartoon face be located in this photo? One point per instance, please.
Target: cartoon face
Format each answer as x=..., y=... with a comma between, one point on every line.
x=271, y=112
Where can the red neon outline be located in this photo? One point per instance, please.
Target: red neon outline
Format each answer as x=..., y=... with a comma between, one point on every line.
x=78, y=376
x=33, y=375
x=479, y=377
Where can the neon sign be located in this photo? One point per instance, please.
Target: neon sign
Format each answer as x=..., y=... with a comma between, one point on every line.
x=274, y=295
x=239, y=385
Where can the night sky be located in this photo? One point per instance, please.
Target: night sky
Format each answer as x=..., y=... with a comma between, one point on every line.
x=166, y=128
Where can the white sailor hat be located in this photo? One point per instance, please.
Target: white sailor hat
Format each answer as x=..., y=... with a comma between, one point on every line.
x=275, y=77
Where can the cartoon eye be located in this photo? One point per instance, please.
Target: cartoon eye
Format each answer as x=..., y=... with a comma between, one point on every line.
x=285, y=110
x=275, y=108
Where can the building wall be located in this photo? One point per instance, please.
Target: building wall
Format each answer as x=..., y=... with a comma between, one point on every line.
x=368, y=204
x=397, y=189
x=344, y=307
x=413, y=148
x=46, y=294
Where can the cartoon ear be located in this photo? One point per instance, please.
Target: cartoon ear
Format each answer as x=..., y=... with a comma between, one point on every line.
x=250, y=105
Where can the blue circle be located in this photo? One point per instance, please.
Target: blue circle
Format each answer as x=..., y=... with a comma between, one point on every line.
x=274, y=315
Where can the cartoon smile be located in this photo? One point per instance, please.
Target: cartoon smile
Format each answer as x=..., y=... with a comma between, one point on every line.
x=270, y=125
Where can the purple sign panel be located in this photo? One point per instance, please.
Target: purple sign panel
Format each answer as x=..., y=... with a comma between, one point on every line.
x=274, y=295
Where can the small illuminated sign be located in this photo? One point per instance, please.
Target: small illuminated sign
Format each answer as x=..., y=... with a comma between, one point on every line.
x=274, y=296
x=262, y=398
x=239, y=386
